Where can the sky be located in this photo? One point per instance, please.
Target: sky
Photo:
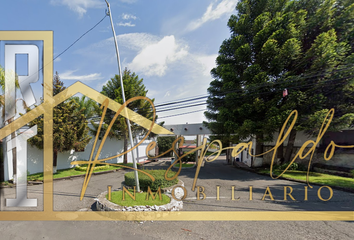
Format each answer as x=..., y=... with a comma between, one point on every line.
x=172, y=45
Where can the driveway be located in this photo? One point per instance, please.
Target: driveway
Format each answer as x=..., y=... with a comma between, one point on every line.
x=217, y=173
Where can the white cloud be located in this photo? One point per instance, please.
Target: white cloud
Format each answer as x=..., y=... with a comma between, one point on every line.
x=126, y=24
x=154, y=59
x=213, y=12
x=136, y=41
x=126, y=16
x=68, y=75
x=79, y=6
x=207, y=62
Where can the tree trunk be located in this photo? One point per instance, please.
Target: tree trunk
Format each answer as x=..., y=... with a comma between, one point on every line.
x=280, y=153
x=55, y=160
x=259, y=145
x=258, y=161
x=125, y=150
x=290, y=146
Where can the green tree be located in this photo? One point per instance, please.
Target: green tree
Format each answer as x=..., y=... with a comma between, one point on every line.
x=70, y=127
x=300, y=46
x=133, y=87
x=13, y=135
x=164, y=144
x=87, y=105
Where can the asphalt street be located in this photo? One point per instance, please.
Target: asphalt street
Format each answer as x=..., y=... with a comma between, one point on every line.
x=217, y=173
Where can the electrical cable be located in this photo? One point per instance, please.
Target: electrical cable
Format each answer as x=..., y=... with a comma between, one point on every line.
x=250, y=94
x=183, y=113
x=80, y=38
x=318, y=74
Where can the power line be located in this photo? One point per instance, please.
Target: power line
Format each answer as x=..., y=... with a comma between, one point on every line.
x=80, y=38
x=268, y=84
x=179, y=105
x=188, y=98
x=180, y=101
x=188, y=106
x=182, y=113
x=73, y=43
x=255, y=93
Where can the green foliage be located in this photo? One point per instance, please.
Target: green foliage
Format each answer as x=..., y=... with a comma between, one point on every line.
x=303, y=46
x=133, y=87
x=87, y=105
x=317, y=178
x=145, y=181
x=164, y=144
x=293, y=166
x=99, y=167
x=83, y=167
x=70, y=128
x=140, y=199
x=190, y=157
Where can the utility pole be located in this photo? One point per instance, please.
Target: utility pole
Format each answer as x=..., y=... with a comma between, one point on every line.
x=123, y=96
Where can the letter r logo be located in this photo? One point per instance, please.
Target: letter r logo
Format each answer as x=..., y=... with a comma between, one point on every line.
x=32, y=53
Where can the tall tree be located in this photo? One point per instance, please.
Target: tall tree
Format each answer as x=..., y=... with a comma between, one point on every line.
x=86, y=104
x=164, y=144
x=13, y=135
x=300, y=46
x=70, y=127
x=133, y=87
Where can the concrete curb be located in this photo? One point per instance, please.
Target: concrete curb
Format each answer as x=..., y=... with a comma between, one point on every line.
x=102, y=204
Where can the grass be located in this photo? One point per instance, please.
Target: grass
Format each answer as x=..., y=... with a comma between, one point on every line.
x=75, y=171
x=140, y=199
x=184, y=165
x=145, y=181
x=5, y=183
x=318, y=178
x=209, y=153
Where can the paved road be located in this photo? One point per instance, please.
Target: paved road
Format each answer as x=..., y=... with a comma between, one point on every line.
x=217, y=173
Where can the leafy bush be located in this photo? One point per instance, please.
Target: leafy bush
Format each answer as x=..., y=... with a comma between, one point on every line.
x=97, y=167
x=302, y=167
x=293, y=166
x=189, y=157
x=145, y=181
x=164, y=144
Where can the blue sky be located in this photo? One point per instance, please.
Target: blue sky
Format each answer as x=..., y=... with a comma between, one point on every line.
x=172, y=45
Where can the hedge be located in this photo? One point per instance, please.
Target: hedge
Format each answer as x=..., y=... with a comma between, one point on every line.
x=97, y=167
x=145, y=181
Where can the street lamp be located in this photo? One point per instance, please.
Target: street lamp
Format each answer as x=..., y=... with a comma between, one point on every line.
x=123, y=96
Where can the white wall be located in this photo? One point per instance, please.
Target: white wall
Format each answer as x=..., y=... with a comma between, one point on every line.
x=244, y=156
x=300, y=139
x=110, y=148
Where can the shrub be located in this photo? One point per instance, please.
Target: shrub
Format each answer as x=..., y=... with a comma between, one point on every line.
x=189, y=158
x=83, y=167
x=145, y=181
x=302, y=167
x=293, y=166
